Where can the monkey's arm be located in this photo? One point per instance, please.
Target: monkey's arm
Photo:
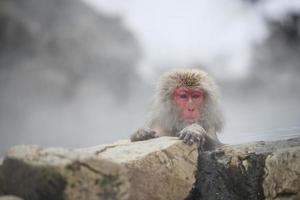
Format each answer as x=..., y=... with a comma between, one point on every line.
x=194, y=133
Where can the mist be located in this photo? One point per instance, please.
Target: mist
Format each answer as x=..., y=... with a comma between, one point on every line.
x=82, y=73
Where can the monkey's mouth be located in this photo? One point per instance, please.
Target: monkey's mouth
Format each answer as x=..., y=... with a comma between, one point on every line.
x=190, y=120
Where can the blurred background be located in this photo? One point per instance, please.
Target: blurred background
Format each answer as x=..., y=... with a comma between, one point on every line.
x=77, y=73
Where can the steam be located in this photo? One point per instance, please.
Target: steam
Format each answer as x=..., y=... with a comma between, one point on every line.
x=81, y=74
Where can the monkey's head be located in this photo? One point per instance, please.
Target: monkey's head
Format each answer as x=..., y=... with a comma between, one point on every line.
x=191, y=95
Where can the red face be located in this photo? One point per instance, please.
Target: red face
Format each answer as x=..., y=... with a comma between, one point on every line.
x=189, y=103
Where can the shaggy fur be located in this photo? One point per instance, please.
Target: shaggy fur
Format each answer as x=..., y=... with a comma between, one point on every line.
x=163, y=114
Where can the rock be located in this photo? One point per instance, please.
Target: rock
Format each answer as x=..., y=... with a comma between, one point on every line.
x=9, y=197
x=156, y=169
x=254, y=171
x=35, y=173
x=161, y=168
x=282, y=174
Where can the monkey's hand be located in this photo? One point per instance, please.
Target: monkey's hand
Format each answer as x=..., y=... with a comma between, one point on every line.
x=143, y=134
x=193, y=133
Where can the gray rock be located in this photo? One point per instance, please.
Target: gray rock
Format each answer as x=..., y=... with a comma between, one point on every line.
x=261, y=170
x=10, y=197
x=159, y=169
x=282, y=174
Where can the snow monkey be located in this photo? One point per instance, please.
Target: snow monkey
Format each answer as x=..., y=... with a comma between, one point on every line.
x=185, y=105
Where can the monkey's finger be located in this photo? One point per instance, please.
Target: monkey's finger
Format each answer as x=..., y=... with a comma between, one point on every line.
x=150, y=135
x=144, y=135
x=181, y=135
x=154, y=135
x=187, y=138
x=201, y=143
x=191, y=141
x=136, y=137
x=195, y=139
x=201, y=148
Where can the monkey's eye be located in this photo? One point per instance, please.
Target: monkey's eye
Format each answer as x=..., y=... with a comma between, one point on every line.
x=183, y=96
x=196, y=96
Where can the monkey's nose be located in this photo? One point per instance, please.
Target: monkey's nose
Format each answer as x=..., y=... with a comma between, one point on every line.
x=191, y=109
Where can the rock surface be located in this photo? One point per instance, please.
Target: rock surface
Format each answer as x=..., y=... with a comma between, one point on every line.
x=282, y=174
x=161, y=168
x=158, y=169
x=254, y=171
x=9, y=197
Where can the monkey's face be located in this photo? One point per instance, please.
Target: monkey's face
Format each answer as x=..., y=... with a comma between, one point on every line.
x=189, y=103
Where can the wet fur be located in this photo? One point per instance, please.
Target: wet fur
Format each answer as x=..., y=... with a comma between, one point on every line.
x=163, y=113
